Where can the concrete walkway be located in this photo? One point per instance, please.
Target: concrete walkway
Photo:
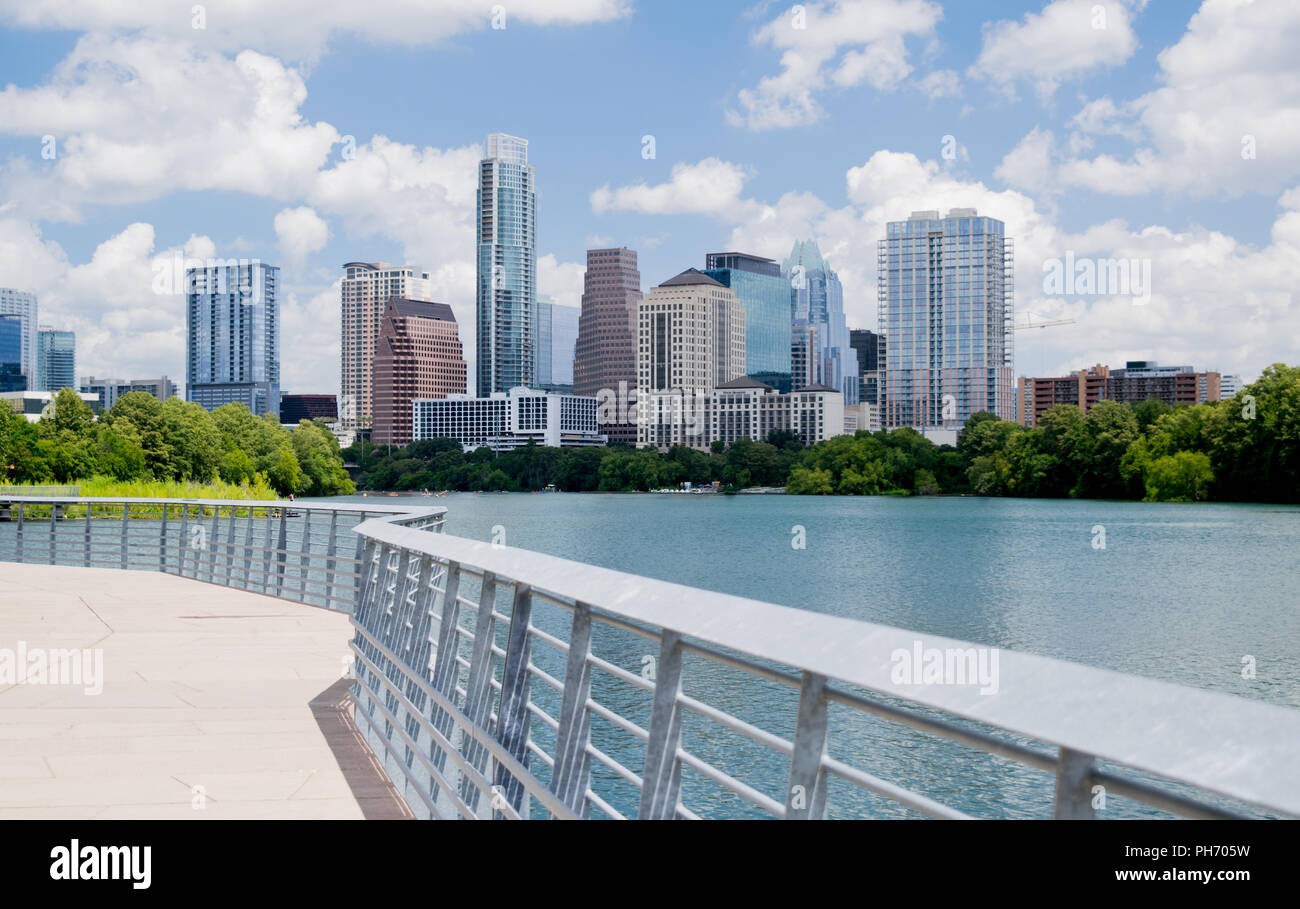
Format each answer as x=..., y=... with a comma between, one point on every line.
x=215, y=703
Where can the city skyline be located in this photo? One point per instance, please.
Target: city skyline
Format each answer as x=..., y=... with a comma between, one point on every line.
x=1072, y=153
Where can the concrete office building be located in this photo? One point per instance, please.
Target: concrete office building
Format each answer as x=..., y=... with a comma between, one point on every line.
x=741, y=408
x=107, y=391
x=1140, y=380
x=364, y=293
x=418, y=355
x=14, y=302
x=56, y=360
x=507, y=266
x=232, y=321
x=507, y=420
x=945, y=309
x=817, y=298
x=765, y=295
x=604, y=360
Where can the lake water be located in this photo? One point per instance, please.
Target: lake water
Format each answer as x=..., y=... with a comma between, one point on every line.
x=1178, y=592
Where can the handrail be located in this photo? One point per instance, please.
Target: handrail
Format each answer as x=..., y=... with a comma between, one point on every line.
x=662, y=700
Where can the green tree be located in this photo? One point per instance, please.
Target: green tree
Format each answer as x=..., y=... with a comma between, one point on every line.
x=1181, y=477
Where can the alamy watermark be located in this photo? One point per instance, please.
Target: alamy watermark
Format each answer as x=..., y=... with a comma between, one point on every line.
x=170, y=276
x=1084, y=276
x=945, y=666
x=58, y=666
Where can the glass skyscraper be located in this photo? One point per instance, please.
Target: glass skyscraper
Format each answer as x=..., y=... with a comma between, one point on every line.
x=765, y=294
x=507, y=266
x=22, y=304
x=817, y=298
x=556, y=335
x=56, y=360
x=232, y=323
x=945, y=310
x=11, y=354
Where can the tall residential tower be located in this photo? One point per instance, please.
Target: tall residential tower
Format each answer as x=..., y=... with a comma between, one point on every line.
x=946, y=309
x=232, y=321
x=507, y=266
x=22, y=304
x=365, y=291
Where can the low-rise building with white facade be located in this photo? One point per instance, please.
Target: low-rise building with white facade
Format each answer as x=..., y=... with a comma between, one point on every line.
x=505, y=421
x=741, y=408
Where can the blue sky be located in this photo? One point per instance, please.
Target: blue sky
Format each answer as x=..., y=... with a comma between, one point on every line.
x=1114, y=141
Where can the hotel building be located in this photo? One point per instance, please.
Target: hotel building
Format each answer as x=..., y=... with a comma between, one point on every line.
x=741, y=408
x=507, y=420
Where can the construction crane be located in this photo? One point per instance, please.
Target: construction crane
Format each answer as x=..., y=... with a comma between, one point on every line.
x=1032, y=324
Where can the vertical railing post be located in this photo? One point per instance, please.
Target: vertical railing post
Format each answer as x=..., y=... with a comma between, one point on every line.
x=478, y=686
x=572, y=762
x=662, y=777
x=331, y=550
x=805, y=793
x=213, y=541
x=361, y=544
x=162, y=541
x=1073, y=797
x=86, y=536
x=19, y=532
x=184, y=543
x=445, y=672
x=281, y=547
x=54, y=520
x=512, y=711
x=126, y=517
x=230, y=545
x=305, y=562
x=248, y=549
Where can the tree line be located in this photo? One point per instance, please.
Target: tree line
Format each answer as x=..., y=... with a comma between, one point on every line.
x=1246, y=448
x=142, y=438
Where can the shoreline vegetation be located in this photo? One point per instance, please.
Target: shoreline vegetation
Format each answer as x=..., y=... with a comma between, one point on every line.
x=1244, y=449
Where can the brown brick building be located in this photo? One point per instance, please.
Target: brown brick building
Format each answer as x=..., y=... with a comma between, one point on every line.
x=1139, y=380
x=418, y=354
x=605, y=354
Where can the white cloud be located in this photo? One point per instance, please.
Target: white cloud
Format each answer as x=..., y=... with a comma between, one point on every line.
x=942, y=83
x=302, y=28
x=1030, y=165
x=301, y=232
x=561, y=281
x=711, y=186
x=136, y=119
x=1225, y=118
x=836, y=42
x=1061, y=42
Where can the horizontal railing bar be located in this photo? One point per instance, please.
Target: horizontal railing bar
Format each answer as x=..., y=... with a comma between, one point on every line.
x=894, y=793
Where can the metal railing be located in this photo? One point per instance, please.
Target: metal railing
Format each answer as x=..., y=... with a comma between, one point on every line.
x=42, y=491
x=494, y=682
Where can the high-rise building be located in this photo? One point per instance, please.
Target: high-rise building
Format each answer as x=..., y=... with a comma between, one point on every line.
x=867, y=345
x=11, y=354
x=23, y=305
x=365, y=290
x=107, y=391
x=945, y=310
x=556, y=333
x=56, y=360
x=232, y=321
x=507, y=266
x=817, y=297
x=1139, y=380
x=1229, y=385
x=765, y=294
x=604, y=359
x=418, y=355
x=803, y=354
x=691, y=337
